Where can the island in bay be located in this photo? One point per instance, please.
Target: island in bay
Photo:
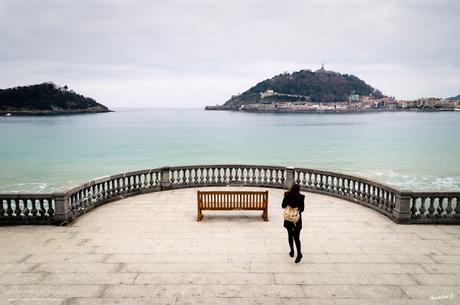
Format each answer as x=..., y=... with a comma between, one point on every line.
x=326, y=91
x=46, y=99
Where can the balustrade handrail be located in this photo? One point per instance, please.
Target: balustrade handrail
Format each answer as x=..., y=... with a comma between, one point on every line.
x=63, y=206
x=348, y=176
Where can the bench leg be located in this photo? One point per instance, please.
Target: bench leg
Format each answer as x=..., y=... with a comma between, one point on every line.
x=265, y=214
x=199, y=215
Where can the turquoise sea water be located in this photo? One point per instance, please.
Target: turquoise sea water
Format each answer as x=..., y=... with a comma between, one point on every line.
x=418, y=151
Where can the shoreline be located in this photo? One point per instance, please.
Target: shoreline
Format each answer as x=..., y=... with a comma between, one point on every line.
x=216, y=108
x=50, y=112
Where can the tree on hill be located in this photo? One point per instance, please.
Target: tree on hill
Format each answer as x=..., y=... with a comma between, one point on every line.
x=320, y=86
x=45, y=96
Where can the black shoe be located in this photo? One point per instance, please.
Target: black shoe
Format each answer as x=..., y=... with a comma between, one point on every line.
x=298, y=258
x=291, y=254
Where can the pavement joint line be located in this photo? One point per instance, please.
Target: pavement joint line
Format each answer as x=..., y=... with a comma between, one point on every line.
x=411, y=275
x=69, y=301
x=103, y=290
x=119, y=267
x=22, y=260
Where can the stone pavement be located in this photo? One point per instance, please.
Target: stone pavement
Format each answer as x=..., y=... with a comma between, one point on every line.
x=149, y=249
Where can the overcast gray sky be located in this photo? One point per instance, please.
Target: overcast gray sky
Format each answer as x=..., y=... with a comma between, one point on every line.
x=131, y=53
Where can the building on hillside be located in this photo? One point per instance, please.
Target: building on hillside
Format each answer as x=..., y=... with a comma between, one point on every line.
x=407, y=104
x=268, y=92
x=353, y=97
x=430, y=102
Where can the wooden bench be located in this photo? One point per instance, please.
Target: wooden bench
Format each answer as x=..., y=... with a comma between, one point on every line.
x=229, y=200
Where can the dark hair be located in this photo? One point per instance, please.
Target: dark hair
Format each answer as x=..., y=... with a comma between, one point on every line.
x=295, y=188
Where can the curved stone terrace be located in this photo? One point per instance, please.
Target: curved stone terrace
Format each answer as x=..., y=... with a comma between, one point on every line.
x=149, y=249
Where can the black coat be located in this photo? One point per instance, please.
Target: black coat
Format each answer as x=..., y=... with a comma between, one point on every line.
x=294, y=200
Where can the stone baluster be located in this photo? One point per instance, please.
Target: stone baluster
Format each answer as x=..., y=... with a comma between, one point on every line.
x=309, y=181
x=34, y=209
x=303, y=181
x=422, y=208
x=253, y=175
x=347, y=189
x=315, y=180
x=413, y=208
x=449, y=208
x=25, y=210
x=297, y=176
x=259, y=175
x=104, y=188
x=109, y=187
x=372, y=196
x=9, y=208
x=2, y=208
x=457, y=207
x=321, y=182
x=431, y=208
x=265, y=175
x=440, y=209
x=356, y=191
x=219, y=175
x=51, y=211
x=237, y=175
x=144, y=180
x=326, y=182
x=150, y=178
x=212, y=178
x=17, y=210
x=201, y=179
x=127, y=186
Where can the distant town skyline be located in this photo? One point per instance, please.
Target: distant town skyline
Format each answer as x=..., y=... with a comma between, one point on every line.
x=190, y=54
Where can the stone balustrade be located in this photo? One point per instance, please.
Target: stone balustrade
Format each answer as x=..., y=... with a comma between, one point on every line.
x=63, y=207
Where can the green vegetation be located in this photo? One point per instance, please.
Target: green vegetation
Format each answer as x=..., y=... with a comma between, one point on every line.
x=46, y=97
x=320, y=86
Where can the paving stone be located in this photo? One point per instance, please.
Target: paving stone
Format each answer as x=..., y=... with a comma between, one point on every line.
x=77, y=267
x=446, y=259
x=442, y=268
x=130, y=291
x=253, y=291
x=255, y=301
x=21, y=278
x=203, y=301
x=123, y=301
x=49, y=291
x=32, y=301
x=205, y=278
x=106, y=278
x=432, y=292
x=321, y=279
x=378, y=292
x=437, y=279
x=328, y=291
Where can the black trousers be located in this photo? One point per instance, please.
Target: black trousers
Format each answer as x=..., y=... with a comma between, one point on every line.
x=294, y=236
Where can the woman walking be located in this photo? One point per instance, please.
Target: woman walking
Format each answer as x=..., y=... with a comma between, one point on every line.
x=294, y=199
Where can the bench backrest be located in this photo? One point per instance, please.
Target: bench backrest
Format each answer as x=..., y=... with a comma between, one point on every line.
x=232, y=200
